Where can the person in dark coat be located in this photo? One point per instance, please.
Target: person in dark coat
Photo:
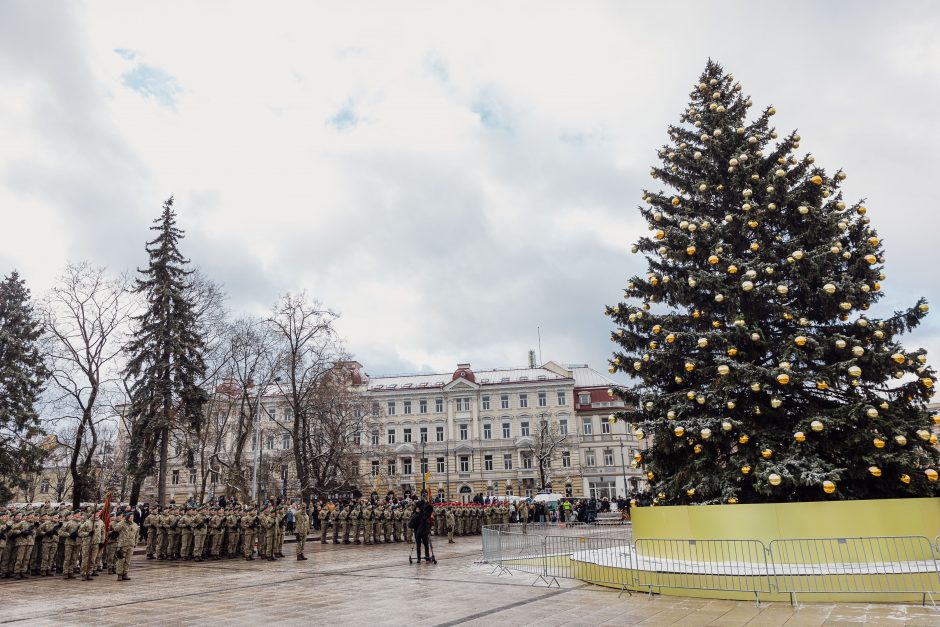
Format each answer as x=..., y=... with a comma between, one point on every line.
x=421, y=523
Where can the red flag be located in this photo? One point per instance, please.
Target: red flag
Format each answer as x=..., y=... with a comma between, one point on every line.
x=105, y=515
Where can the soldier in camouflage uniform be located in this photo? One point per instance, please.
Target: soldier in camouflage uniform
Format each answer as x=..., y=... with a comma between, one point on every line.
x=71, y=544
x=357, y=522
x=151, y=524
x=232, y=532
x=126, y=542
x=324, y=517
x=114, y=530
x=249, y=524
x=185, y=526
x=368, y=519
x=301, y=529
x=200, y=527
x=449, y=522
x=216, y=533
x=406, y=517
x=280, y=528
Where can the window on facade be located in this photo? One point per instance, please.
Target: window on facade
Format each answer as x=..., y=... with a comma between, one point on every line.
x=406, y=465
x=463, y=404
x=375, y=438
x=270, y=442
x=424, y=434
x=543, y=399
x=504, y=401
x=485, y=401
x=589, y=458
x=44, y=486
x=588, y=427
x=391, y=436
x=392, y=467
x=562, y=398
x=563, y=426
x=214, y=477
x=608, y=457
x=464, y=463
x=375, y=467
x=357, y=438
x=391, y=408
x=423, y=406
x=440, y=464
x=507, y=461
x=175, y=479
x=527, y=461
x=289, y=414
x=487, y=431
x=523, y=400
x=407, y=405
x=439, y=433
x=507, y=430
x=487, y=462
x=375, y=409
x=464, y=432
x=285, y=441
x=566, y=459
x=439, y=405
x=424, y=465
x=584, y=399
x=406, y=434
x=524, y=428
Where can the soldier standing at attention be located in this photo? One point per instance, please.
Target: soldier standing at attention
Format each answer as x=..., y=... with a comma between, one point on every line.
x=301, y=529
x=450, y=522
x=324, y=517
x=200, y=526
x=406, y=517
x=185, y=526
x=232, y=528
x=160, y=522
x=86, y=533
x=367, y=515
x=4, y=530
x=389, y=524
x=48, y=541
x=151, y=523
x=268, y=525
x=523, y=515
x=249, y=523
x=356, y=522
x=173, y=533
x=335, y=517
x=279, y=530
x=216, y=533
x=23, y=541
x=114, y=530
x=344, y=523
x=127, y=540
x=71, y=549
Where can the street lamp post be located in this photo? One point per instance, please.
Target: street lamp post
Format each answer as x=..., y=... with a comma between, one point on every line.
x=423, y=468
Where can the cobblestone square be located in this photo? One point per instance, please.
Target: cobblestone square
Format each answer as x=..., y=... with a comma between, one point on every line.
x=362, y=585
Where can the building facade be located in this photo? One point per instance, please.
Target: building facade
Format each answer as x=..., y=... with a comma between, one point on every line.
x=472, y=432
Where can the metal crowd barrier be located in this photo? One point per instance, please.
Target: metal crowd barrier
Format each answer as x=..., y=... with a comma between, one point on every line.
x=871, y=565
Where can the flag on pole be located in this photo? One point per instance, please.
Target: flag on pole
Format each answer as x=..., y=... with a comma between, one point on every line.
x=105, y=515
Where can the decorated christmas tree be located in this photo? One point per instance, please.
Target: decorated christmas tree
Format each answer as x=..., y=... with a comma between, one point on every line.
x=759, y=374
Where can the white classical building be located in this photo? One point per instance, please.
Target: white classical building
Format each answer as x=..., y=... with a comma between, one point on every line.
x=477, y=432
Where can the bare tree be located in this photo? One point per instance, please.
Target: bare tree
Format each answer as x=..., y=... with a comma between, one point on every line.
x=545, y=445
x=249, y=370
x=86, y=313
x=310, y=379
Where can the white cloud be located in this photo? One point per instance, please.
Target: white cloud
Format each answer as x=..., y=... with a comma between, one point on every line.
x=447, y=175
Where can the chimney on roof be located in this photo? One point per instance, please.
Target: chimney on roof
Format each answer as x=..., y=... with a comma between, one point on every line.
x=532, y=359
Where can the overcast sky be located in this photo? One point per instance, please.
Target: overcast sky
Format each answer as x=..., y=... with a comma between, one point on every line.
x=447, y=176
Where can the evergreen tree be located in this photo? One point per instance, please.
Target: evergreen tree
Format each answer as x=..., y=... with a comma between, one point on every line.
x=22, y=378
x=165, y=357
x=761, y=376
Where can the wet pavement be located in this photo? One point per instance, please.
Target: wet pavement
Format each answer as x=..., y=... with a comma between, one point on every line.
x=365, y=585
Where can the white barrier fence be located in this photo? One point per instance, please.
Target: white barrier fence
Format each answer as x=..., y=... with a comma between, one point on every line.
x=875, y=565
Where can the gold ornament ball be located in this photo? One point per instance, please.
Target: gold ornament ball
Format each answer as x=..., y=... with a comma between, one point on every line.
x=874, y=471
x=935, y=419
x=775, y=402
x=905, y=479
x=705, y=433
x=871, y=412
x=829, y=288
x=732, y=501
x=901, y=440
x=702, y=342
x=638, y=434
x=697, y=448
x=745, y=470
x=840, y=344
x=931, y=474
x=670, y=338
x=679, y=431
x=755, y=386
x=650, y=475
x=800, y=340
x=822, y=385
x=744, y=439
x=816, y=426
x=782, y=290
x=732, y=351
x=689, y=366
x=731, y=404
x=766, y=453
x=690, y=250
x=855, y=371
x=675, y=201
x=828, y=487
x=783, y=378
x=713, y=259
x=727, y=426
x=816, y=180
x=723, y=370
x=878, y=442
x=774, y=479
x=799, y=436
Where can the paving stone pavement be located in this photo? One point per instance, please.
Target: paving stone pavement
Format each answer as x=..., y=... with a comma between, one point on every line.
x=341, y=585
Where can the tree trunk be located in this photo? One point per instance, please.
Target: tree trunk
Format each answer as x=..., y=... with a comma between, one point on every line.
x=135, y=492
x=164, y=453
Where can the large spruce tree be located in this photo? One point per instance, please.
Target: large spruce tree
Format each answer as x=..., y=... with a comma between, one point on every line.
x=22, y=377
x=760, y=374
x=165, y=357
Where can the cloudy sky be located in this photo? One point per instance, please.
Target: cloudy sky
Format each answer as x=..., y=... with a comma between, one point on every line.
x=447, y=176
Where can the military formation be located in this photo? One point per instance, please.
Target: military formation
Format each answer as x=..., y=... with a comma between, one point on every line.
x=52, y=541
x=365, y=522
x=48, y=542
x=214, y=533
